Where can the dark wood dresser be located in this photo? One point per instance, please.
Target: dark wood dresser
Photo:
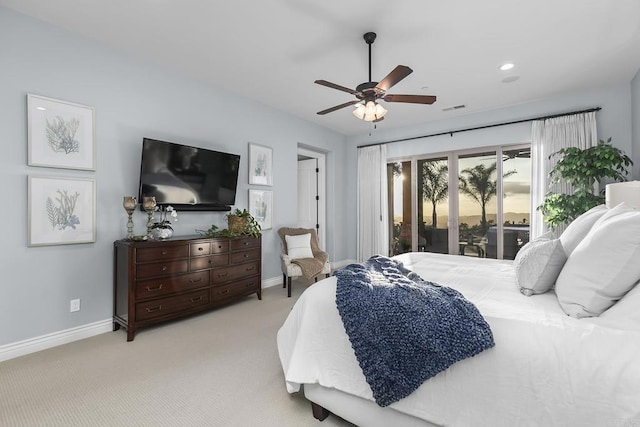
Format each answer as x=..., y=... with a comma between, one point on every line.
x=158, y=280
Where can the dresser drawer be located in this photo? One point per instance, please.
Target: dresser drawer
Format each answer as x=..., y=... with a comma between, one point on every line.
x=244, y=256
x=244, y=286
x=243, y=243
x=160, y=269
x=160, y=253
x=219, y=246
x=171, y=285
x=204, y=262
x=221, y=275
x=200, y=248
x=170, y=305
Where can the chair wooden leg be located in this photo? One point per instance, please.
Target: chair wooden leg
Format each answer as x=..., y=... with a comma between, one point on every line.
x=327, y=275
x=315, y=279
x=289, y=287
x=284, y=280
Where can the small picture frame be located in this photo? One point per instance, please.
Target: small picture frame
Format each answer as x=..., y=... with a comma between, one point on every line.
x=61, y=210
x=60, y=134
x=260, y=165
x=261, y=207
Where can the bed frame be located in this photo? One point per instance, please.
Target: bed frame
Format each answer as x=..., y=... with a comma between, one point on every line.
x=356, y=410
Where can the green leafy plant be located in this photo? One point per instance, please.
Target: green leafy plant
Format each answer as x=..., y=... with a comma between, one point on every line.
x=582, y=168
x=244, y=225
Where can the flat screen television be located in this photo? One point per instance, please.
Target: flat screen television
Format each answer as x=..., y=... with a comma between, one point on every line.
x=188, y=178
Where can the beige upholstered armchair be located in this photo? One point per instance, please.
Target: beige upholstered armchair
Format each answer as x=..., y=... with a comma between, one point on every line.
x=301, y=256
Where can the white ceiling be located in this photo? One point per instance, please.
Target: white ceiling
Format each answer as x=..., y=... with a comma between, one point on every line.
x=272, y=51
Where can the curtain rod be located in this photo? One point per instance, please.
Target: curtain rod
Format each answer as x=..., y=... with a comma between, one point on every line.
x=451, y=132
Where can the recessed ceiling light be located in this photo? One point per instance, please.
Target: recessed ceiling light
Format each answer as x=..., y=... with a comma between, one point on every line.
x=507, y=66
x=510, y=79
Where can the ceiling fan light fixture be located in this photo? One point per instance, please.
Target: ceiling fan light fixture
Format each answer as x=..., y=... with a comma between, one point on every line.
x=370, y=111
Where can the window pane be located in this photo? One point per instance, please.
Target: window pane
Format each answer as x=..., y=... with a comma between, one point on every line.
x=399, y=181
x=517, y=200
x=433, y=205
x=477, y=204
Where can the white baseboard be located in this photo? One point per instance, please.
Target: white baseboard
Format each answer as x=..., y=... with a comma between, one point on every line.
x=54, y=339
x=274, y=281
x=43, y=342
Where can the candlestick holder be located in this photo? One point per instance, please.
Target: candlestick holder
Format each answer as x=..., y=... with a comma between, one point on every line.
x=149, y=206
x=129, y=205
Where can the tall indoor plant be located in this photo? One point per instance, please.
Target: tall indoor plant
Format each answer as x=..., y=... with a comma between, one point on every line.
x=582, y=168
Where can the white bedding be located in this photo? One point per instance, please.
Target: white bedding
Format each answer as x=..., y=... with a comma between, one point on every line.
x=546, y=368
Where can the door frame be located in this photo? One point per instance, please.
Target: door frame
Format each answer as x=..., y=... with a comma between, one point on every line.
x=322, y=191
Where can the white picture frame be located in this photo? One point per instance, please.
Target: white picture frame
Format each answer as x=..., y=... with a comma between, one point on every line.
x=261, y=207
x=260, y=165
x=60, y=134
x=61, y=211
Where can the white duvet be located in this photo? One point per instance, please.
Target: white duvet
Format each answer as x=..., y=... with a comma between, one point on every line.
x=546, y=369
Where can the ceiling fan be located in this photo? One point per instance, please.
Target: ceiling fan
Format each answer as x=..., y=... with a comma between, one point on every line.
x=369, y=92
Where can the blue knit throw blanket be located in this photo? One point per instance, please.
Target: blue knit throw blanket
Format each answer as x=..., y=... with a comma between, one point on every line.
x=403, y=329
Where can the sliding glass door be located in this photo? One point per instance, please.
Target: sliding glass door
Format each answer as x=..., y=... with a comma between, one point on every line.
x=472, y=203
x=433, y=205
x=477, y=206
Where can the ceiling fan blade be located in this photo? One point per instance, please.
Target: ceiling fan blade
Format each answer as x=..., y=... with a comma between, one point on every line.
x=337, y=107
x=335, y=86
x=398, y=73
x=413, y=99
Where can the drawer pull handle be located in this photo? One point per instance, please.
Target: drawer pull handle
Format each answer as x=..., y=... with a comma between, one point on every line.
x=219, y=246
x=222, y=274
x=163, y=252
x=199, y=279
x=246, y=243
x=201, y=249
x=246, y=255
x=154, y=289
x=249, y=268
x=226, y=291
x=152, y=309
x=196, y=299
x=164, y=268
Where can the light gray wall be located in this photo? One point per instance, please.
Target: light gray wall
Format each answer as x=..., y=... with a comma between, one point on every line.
x=614, y=120
x=132, y=99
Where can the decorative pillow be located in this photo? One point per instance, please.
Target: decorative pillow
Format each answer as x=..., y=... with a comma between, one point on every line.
x=538, y=264
x=299, y=246
x=603, y=267
x=626, y=311
x=580, y=227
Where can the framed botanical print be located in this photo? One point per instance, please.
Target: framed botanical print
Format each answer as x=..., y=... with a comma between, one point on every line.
x=260, y=165
x=61, y=134
x=261, y=207
x=61, y=210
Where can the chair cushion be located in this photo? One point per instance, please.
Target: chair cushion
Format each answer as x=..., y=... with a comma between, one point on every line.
x=299, y=246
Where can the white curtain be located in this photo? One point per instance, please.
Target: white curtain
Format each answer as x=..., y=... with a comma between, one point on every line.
x=373, y=234
x=547, y=137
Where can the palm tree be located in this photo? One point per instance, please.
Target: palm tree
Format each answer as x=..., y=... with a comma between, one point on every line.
x=435, y=185
x=480, y=184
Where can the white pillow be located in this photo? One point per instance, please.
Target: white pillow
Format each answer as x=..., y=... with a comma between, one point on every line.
x=538, y=264
x=580, y=227
x=299, y=246
x=603, y=267
x=627, y=310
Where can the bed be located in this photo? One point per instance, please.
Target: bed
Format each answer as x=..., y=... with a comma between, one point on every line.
x=546, y=368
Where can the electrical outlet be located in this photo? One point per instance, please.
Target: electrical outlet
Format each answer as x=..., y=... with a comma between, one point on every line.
x=75, y=305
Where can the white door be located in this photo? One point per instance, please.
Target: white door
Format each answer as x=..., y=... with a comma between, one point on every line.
x=311, y=193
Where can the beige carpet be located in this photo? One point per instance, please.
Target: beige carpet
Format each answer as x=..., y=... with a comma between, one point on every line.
x=219, y=368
